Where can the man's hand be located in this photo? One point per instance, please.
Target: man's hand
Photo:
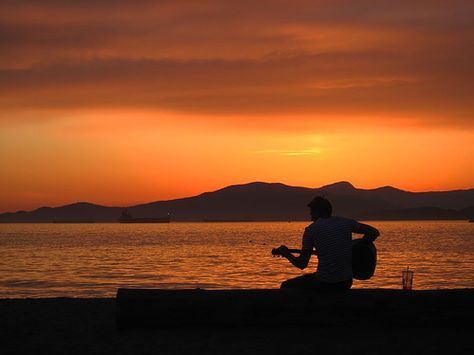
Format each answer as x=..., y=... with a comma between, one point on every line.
x=283, y=251
x=300, y=261
x=367, y=239
x=369, y=232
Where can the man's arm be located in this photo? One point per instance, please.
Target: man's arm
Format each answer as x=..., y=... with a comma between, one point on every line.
x=300, y=261
x=370, y=233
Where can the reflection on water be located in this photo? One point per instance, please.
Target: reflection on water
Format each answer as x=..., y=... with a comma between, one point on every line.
x=93, y=260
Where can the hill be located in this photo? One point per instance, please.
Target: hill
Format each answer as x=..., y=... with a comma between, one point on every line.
x=261, y=201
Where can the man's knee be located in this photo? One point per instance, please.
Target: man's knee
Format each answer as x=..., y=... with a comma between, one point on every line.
x=285, y=284
x=297, y=282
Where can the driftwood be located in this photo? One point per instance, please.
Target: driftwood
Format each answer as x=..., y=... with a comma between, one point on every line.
x=363, y=307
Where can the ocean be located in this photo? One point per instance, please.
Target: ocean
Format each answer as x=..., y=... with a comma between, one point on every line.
x=93, y=260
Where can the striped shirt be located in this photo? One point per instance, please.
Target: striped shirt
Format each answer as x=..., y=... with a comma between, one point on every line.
x=332, y=239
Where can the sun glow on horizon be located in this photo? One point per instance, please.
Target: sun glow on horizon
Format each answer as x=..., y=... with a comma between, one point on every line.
x=148, y=157
x=160, y=100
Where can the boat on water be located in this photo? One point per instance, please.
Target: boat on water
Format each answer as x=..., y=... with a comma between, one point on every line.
x=126, y=217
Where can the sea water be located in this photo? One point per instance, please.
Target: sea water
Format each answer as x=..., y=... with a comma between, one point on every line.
x=93, y=260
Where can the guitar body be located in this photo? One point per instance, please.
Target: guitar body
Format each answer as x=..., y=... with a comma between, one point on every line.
x=364, y=259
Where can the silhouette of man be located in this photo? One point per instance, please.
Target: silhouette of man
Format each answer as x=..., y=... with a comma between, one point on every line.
x=331, y=237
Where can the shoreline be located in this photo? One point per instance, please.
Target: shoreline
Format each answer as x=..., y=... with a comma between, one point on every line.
x=87, y=326
x=466, y=220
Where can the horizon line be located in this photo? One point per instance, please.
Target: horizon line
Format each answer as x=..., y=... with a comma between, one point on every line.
x=346, y=182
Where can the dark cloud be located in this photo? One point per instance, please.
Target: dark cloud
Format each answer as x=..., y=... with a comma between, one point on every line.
x=380, y=58
x=301, y=84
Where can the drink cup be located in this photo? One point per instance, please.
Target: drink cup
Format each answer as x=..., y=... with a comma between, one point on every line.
x=407, y=279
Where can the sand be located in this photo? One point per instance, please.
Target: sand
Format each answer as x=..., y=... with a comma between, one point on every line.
x=87, y=326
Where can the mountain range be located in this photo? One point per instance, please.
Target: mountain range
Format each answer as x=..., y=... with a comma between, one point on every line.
x=259, y=201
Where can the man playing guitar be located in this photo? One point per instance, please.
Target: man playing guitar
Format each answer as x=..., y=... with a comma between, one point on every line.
x=331, y=238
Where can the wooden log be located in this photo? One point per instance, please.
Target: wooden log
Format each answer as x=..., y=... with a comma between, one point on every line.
x=376, y=307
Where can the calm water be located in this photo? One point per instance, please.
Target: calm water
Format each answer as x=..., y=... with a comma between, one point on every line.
x=85, y=260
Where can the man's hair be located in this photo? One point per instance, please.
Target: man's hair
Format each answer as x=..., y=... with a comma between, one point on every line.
x=322, y=206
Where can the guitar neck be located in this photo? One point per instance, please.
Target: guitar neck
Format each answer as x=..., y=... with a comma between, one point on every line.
x=298, y=251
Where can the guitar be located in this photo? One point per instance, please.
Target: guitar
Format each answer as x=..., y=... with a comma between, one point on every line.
x=277, y=251
x=364, y=258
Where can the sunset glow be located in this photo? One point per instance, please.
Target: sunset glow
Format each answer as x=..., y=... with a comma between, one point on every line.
x=119, y=104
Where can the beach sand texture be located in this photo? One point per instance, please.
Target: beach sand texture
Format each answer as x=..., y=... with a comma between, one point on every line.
x=87, y=326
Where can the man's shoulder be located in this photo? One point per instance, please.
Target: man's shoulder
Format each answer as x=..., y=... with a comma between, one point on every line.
x=333, y=222
x=344, y=222
x=311, y=227
x=340, y=219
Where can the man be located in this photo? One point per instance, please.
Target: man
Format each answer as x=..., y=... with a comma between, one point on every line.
x=332, y=239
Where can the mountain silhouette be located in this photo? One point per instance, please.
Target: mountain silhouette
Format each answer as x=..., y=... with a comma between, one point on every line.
x=260, y=201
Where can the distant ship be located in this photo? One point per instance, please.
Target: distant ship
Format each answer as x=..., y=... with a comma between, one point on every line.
x=128, y=218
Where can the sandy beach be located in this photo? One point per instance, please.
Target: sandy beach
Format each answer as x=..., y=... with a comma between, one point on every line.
x=87, y=326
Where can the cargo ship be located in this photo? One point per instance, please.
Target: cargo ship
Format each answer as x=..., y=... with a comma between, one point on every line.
x=126, y=217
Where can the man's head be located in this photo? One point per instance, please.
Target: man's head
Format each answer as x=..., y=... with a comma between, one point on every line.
x=320, y=208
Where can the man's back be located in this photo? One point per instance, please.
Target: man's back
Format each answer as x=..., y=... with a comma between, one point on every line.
x=332, y=239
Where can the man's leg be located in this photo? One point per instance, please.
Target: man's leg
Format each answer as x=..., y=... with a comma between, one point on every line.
x=304, y=282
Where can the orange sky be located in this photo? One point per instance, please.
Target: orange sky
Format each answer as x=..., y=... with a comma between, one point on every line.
x=118, y=103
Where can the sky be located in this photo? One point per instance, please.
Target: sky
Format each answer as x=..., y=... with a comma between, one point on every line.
x=120, y=103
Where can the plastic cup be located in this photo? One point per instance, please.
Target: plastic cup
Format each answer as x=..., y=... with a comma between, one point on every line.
x=407, y=279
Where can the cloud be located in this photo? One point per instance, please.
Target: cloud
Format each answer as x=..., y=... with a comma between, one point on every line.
x=34, y=31
x=305, y=84
x=309, y=58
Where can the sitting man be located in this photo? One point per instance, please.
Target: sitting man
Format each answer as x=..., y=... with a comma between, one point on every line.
x=332, y=239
